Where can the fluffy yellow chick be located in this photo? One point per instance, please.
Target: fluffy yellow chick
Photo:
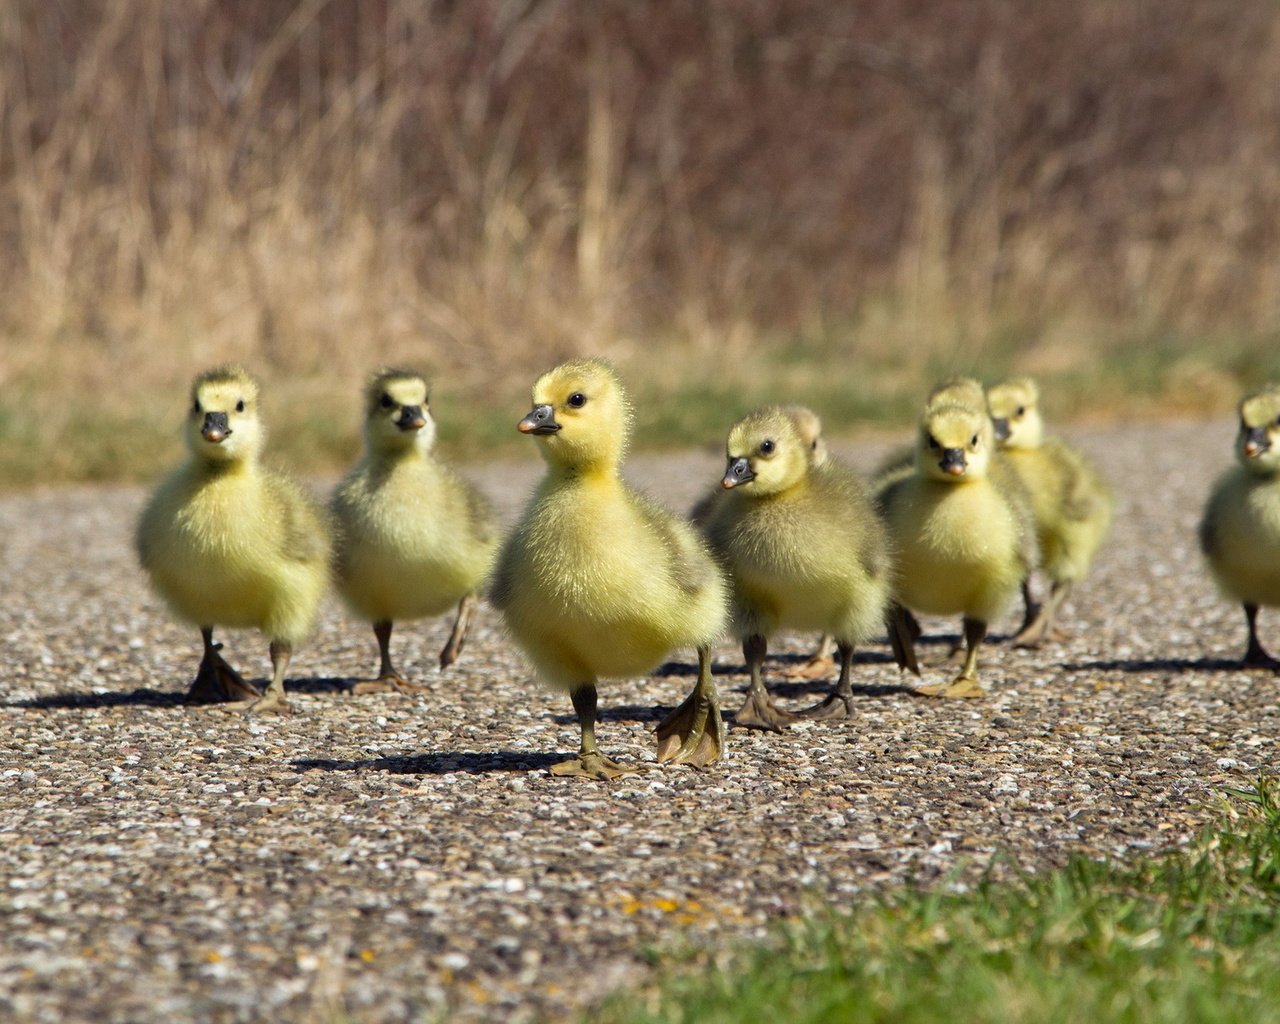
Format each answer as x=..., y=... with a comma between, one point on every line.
x=804, y=549
x=961, y=530
x=1072, y=505
x=229, y=543
x=596, y=581
x=414, y=537
x=1240, y=531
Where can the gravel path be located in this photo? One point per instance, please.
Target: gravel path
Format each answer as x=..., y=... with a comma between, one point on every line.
x=391, y=857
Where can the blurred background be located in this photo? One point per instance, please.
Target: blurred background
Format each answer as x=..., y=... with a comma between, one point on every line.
x=737, y=201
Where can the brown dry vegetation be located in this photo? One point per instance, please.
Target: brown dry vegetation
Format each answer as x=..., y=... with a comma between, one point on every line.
x=735, y=200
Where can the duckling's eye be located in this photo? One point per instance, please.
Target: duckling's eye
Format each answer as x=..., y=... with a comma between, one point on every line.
x=385, y=401
x=1019, y=412
x=767, y=447
x=933, y=443
x=973, y=441
x=577, y=400
x=240, y=405
x=195, y=407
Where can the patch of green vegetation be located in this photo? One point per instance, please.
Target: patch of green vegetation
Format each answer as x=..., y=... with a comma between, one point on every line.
x=1189, y=935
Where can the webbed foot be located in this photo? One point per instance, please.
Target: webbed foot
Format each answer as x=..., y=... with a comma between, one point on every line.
x=594, y=765
x=961, y=686
x=759, y=712
x=1256, y=659
x=216, y=682
x=693, y=733
x=1033, y=632
x=393, y=682
x=835, y=707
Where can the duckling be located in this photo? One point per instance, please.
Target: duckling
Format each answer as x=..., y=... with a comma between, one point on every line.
x=962, y=531
x=957, y=390
x=1071, y=503
x=804, y=549
x=227, y=542
x=414, y=538
x=596, y=581
x=1240, y=531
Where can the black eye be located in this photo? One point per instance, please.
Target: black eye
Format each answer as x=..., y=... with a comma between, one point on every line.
x=240, y=405
x=973, y=441
x=385, y=401
x=766, y=447
x=933, y=443
x=195, y=407
x=1020, y=411
x=577, y=400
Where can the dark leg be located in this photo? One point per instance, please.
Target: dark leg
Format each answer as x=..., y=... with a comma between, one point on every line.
x=388, y=678
x=839, y=702
x=458, y=636
x=1256, y=655
x=590, y=763
x=217, y=682
x=694, y=732
x=904, y=631
x=758, y=711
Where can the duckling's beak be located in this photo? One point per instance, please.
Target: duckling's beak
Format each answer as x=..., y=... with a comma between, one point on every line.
x=215, y=429
x=1002, y=428
x=542, y=420
x=737, y=472
x=411, y=418
x=1256, y=442
x=952, y=461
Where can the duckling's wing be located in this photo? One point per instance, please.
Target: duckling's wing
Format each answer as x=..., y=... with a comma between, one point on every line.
x=1018, y=497
x=689, y=560
x=480, y=513
x=304, y=526
x=1084, y=494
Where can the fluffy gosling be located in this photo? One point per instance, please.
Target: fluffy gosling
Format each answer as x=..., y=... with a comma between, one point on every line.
x=1240, y=531
x=804, y=548
x=596, y=581
x=414, y=537
x=961, y=530
x=1071, y=503
x=229, y=543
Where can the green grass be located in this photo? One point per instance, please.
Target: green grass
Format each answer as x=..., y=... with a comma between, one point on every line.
x=1190, y=935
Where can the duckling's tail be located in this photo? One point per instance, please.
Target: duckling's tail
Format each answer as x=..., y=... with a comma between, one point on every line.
x=902, y=638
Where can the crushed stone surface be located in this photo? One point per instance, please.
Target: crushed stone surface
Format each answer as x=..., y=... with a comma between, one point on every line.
x=392, y=857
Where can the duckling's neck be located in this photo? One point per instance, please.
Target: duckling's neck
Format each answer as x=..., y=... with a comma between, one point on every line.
x=225, y=469
x=602, y=474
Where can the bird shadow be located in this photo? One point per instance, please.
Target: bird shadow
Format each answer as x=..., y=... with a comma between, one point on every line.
x=1161, y=665
x=470, y=762
x=149, y=698
x=650, y=713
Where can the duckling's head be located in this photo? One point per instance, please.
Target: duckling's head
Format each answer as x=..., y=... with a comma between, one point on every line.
x=1015, y=413
x=222, y=424
x=580, y=415
x=956, y=443
x=1258, y=443
x=964, y=391
x=810, y=428
x=766, y=453
x=396, y=411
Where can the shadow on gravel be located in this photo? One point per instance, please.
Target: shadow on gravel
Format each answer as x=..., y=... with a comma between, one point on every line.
x=438, y=764
x=143, y=697
x=621, y=713
x=1156, y=665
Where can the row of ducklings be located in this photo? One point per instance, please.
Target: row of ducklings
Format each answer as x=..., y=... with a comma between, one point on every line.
x=595, y=581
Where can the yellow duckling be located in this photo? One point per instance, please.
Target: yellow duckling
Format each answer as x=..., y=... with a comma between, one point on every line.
x=596, y=581
x=901, y=462
x=1071, y=503
x=1240, y=531
x=229, y=543
x=414, y=538
x=961, y=529
x=804, y=548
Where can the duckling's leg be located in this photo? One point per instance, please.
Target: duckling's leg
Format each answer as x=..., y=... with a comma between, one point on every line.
x=694, y=732
x=273, y=700
x=758, y=711
x=966, y=683
x=458, y=637
x=1256, y=655
x=590, y=763
x=1038, y=618
x=839, y=702
x=216, y=681
x=388, y=677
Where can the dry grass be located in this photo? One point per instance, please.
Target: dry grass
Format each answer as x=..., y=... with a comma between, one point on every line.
x=735, y=201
